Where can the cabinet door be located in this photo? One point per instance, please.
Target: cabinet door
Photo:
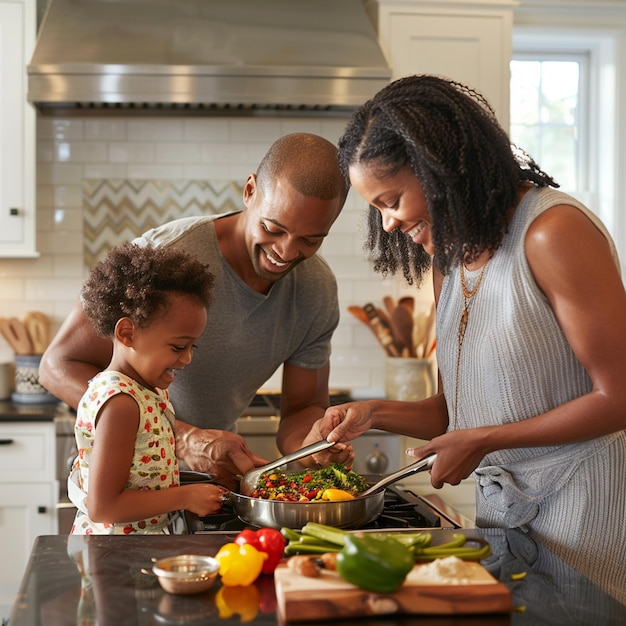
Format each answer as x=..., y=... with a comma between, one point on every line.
x=17, y=129
x=471, y=44
x=27, y=510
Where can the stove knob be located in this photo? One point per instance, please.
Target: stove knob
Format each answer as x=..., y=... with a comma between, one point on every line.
x=377, y=462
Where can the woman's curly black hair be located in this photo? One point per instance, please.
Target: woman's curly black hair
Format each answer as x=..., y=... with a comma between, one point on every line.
x=134, y=281
x=449, y=136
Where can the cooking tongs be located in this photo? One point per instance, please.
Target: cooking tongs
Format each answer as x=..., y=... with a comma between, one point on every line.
x=249, y=481
x=422, y=465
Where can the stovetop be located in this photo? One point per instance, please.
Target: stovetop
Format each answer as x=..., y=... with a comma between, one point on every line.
x=268, y=402
x=402, y=509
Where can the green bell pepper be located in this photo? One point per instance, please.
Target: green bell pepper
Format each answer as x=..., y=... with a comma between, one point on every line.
x=374, y=563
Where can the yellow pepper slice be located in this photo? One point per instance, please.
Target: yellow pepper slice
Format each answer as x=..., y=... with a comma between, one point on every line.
x=336, y=494
x=239, y=564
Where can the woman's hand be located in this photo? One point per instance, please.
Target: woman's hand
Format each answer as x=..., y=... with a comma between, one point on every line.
x=345, y=422
x=339, y=453
x=458, y=454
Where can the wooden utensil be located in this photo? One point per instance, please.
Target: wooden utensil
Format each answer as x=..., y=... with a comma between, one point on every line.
x=408, y=302
x=402, y=324
x=38, y=328
x=16, y=335
x=382, y=330
x=389, y=305
x=360, y=314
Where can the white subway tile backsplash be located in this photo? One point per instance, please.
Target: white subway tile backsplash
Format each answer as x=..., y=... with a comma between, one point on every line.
x=248, y=130
x=303, y=125
x=105, y=170
x=41, y=267
x=241, y=171
x=337, y=245
x=206, y=129
x=45, y=151
x=177, y=152
x=220, y=152
x=206, y=171
x=54, y=289
x=59, y=173
x=60, y=129
x=12, y=292
x=61, y=242
x=131, y=151
x=105, y=129
x=157, y=171
x=156, y=129
x=65, y=196
x=82, y=152
x=69, y=266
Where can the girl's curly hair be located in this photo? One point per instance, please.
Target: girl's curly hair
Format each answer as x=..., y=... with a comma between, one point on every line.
x=449, y=136
x=134, y=281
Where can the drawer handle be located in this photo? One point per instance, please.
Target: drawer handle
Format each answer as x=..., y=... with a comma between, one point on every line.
x=6, y=442
x=42, y=509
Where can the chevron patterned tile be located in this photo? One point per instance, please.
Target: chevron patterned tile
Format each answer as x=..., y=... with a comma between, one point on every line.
x=117, y=210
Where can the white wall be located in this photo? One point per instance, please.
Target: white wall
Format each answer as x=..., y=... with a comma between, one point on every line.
x=74, y=148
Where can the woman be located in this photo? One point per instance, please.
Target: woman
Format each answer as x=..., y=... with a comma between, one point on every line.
x=531, y=339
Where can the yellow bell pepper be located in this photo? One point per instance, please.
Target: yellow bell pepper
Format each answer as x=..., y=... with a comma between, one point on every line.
x=239, y=564
x=336, y=494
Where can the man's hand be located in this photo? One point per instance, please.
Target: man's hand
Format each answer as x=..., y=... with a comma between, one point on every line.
x=218, y=452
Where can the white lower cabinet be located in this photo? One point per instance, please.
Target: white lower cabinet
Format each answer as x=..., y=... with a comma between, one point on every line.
x=28, y=497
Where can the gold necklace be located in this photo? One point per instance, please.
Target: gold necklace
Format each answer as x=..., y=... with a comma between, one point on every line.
x=468, y=294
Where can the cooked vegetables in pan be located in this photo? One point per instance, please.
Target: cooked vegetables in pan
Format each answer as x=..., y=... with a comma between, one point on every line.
x=335, y=482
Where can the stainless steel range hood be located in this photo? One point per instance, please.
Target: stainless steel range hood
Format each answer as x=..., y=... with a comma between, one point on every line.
x=246, y=56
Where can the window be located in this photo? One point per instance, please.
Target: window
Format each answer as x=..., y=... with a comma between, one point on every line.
x=549, y=114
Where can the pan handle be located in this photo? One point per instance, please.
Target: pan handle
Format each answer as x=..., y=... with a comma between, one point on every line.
x=419, y=466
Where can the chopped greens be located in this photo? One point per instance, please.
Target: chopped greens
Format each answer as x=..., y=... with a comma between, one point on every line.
x=309, y=485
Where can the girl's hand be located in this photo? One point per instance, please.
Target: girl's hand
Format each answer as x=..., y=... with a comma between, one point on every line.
x=203, y=499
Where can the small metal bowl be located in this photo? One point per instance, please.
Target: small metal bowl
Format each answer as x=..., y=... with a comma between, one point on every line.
x=186, y=573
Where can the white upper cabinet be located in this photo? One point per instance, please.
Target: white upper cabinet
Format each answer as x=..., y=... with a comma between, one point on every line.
x=467, y=41
x=17, y=130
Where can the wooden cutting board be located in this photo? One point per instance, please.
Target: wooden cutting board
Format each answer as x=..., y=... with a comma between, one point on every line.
x=301, y=598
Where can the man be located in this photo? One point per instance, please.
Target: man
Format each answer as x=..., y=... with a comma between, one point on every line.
x=274, y=303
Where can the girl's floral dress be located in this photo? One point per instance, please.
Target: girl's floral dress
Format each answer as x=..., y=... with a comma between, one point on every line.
x=154, y=463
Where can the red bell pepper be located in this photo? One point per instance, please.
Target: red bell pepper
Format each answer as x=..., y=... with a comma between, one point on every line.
x=268, y=540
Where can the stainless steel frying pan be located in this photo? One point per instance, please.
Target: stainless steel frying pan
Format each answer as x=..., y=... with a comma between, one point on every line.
x=340, y=514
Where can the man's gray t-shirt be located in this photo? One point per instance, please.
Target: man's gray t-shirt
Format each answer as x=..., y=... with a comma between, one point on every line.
x=248, y=335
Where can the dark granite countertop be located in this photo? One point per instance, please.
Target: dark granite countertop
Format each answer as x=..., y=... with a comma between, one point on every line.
x=45, y=412
x=117, y=593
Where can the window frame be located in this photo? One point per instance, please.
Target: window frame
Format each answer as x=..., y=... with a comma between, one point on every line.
x=599, y=156
x=582, y=121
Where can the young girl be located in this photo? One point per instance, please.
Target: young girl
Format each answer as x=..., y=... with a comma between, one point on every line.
x=152, y=303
